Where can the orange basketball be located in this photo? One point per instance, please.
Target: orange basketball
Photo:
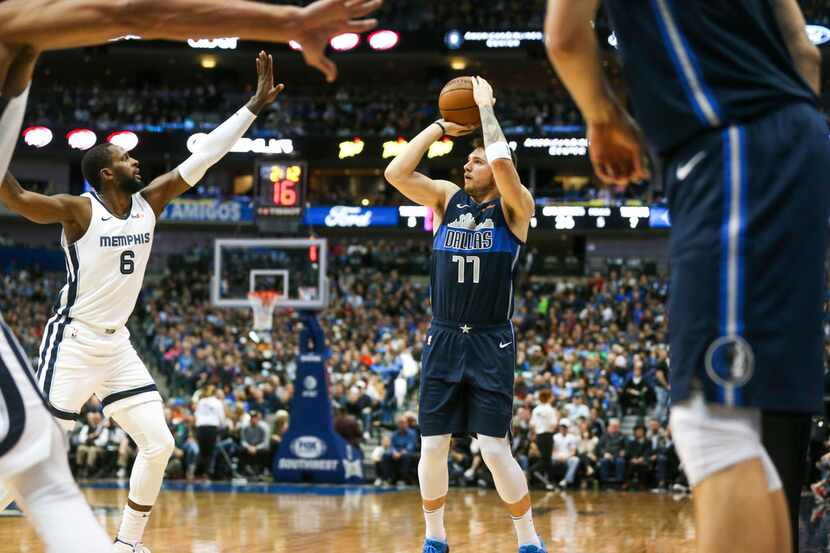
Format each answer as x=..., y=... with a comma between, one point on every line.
x=456, y=102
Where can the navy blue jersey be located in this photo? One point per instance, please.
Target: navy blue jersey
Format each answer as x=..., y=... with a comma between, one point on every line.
x=474, y=263
x=696, y=65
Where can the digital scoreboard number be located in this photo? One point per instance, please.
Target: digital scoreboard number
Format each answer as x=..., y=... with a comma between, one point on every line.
x=280, y=189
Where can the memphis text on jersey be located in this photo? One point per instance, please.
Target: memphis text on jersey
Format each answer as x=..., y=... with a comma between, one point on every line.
x=125, y=240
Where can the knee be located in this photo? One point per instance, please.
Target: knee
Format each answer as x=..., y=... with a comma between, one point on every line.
x=433, y=447
x=492, y=448
x=160, y=447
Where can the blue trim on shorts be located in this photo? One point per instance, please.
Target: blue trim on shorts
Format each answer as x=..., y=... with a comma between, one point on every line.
x=118, y=396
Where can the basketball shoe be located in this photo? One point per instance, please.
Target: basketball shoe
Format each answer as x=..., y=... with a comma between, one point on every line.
x=435, y=546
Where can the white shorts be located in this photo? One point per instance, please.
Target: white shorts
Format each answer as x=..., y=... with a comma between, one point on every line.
x=77, y=361
x=24, y=420
x=711, y=437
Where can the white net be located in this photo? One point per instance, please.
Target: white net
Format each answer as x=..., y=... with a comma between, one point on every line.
x=263, y=305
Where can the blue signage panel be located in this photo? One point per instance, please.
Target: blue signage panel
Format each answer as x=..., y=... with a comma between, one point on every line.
x=351, y=217
x=659, y=217
x=208, y=211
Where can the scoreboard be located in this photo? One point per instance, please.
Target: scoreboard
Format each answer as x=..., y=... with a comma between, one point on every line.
x=280, y=189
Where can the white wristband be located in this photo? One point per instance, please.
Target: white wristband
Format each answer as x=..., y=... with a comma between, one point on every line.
x=499, y=150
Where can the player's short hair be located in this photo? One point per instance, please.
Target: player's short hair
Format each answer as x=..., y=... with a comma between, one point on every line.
x=96, y=158
x=478, y=142
x=544, y=395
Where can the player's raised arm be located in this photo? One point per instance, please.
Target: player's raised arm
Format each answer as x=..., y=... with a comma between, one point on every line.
x=39, y=208
x=516, y=199
x=615, y=147
x=215, y=145
x=416, y=186
x=51, y=25
x=805, y=54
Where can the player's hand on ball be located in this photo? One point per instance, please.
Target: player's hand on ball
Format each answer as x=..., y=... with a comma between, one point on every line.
x=616, y=149
x=483, y=92
x=266, y=92
x=455, y=129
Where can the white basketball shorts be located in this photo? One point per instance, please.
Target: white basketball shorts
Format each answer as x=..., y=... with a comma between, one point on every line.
x=77, y=361
x=25, y=439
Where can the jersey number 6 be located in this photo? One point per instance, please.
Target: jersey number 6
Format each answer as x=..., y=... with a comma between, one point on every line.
x=462, y=263
x=127, y=263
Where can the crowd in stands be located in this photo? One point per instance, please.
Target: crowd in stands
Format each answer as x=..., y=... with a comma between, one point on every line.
x=368, y=109
x=590, y=354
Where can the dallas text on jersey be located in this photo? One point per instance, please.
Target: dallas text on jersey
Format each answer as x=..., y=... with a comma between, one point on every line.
x=461, y=240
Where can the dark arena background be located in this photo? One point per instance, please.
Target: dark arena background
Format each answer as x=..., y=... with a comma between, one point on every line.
x=319, y=446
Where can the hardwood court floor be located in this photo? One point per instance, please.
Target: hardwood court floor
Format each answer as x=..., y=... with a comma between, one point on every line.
x=190, y=521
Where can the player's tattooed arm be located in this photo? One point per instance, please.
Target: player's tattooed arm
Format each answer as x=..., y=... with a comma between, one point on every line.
x=805, y=54
x=39, y=208
x=517, y=199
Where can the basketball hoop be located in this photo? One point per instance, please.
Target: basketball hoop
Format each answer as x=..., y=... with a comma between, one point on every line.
x=263, y=304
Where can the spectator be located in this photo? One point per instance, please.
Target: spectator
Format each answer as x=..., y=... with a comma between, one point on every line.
x=637, y=395
x=92, y=440
x=586, y=450
x=611, y=450
x=280, y=428
x=543, y=420
x=210, y=416
x=399, y=459
x=639, y=455
x=255, y=439
x=565, y=457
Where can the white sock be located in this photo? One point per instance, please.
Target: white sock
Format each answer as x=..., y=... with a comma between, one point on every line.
x=132, y=525
x=525, y=531
x=435, y=524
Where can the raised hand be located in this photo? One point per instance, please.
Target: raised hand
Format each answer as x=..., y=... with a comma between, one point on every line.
x=324, y=19
x=483, y=92
x=266, y=92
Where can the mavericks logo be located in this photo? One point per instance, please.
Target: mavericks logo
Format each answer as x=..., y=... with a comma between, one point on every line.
x=730, y=361
x=308, y=447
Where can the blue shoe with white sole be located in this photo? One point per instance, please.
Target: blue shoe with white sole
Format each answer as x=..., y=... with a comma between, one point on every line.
x=435, y=546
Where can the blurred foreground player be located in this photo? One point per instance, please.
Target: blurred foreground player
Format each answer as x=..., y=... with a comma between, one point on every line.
x=33, y=464
x=59, y=24
x=470, y=355
x=107, y=237
x=726, y=95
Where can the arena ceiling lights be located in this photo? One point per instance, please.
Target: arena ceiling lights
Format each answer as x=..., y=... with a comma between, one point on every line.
x=384, y=40
x=81, y=139
x=345, y=42
x=126, y=139
x=37, y=137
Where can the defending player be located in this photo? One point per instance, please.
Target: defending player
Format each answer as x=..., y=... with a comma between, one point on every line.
x=107, y=236
x=469, y=358
x=726, y=95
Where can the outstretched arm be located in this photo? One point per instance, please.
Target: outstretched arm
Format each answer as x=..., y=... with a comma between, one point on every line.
x=215, y=145
x=39, y=208
x=573, y=49
x=516, y=199
x=55, y=24
x=416, y=186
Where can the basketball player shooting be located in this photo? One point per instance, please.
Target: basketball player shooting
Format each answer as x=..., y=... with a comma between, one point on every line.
x=107, y=236
x=470, y=355
x=726, y=96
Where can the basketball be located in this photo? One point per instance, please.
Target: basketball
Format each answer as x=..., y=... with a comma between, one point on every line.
x=457, y=104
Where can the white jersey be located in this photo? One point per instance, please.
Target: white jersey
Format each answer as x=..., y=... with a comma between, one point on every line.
x=105, y=267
